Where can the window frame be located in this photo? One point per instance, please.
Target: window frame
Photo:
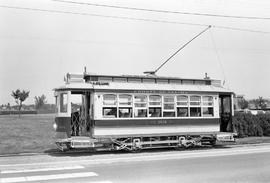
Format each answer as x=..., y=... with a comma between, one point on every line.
x=140, y=108
x=67, y=112
x=147, y=102
x=111, y=116
x=203, y=102
x=63, y=103
x=195, y=106
x=168, y=110
x=206, y=104
x=123, y=106
x=184, y=107
x=109, y=106
x=181, y=106
x=155, y=107
x=130, y=113
x=190, y=101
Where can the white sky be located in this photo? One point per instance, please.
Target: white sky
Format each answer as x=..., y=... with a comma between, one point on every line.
x=38, y=48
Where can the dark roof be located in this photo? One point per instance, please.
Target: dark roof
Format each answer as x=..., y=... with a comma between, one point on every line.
x=87, y=75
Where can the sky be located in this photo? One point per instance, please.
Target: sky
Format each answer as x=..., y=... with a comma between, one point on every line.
x=37, y=48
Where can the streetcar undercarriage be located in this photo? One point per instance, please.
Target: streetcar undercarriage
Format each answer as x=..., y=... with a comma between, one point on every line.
x=134, y=144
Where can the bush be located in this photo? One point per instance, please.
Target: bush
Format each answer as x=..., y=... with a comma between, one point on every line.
x=252, y=125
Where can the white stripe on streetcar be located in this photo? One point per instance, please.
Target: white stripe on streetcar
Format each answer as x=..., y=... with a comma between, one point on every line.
x=47, y=177
x=42, y=169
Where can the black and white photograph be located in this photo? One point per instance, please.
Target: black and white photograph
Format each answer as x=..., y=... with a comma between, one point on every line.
x=134, y=91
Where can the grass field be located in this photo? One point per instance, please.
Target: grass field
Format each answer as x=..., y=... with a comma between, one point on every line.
x=34, y=133
x=30, y=133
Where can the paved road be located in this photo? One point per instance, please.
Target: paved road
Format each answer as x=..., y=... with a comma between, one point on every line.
x=231, y=164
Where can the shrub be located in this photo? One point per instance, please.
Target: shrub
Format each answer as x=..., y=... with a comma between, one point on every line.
x=251, y=125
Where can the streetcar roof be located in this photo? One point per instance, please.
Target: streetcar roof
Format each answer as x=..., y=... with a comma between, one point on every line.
x=129, y=87
x=88, y=76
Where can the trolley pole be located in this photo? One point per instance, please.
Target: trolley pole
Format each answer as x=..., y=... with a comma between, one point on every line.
x=182, y=47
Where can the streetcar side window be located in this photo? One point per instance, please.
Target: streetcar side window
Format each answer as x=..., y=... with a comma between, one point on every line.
x=182, y=106
x=109, y=112
x=109, y=106
x=152, y=106
x=125, y=100
x=195, y=106
x=109, y=99
x=182, y=111
x=168, y=106
x=125, y=106
x=140, y=106
x=195, y=111
x=63, y=102
x=208, y=106
x=155, y=106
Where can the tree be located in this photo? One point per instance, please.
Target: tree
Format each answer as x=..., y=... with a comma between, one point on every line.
x=260, y=103
x=8, y=106
x=20, y=97
x=243, y=103
x=40, y=101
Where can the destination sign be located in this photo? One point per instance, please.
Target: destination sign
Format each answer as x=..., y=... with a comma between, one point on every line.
x=99, y=83
x=160, y=91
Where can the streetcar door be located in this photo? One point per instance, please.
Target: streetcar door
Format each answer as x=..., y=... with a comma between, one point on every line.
x=80, y=113
x=225, y=113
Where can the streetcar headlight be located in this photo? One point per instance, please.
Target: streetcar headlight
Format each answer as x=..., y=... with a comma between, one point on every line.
x=54, y=126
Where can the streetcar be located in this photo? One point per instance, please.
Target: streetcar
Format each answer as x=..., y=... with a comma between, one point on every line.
x=135, y=112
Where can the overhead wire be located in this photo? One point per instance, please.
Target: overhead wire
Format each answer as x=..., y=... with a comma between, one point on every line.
x=100, y=15
x=240, y=29
x=152, y=20
x=218, y=57
x=131, y=18
x=164, y=11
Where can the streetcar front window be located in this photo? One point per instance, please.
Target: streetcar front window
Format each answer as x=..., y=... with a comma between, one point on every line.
x=63, y=102
x=56, y=103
